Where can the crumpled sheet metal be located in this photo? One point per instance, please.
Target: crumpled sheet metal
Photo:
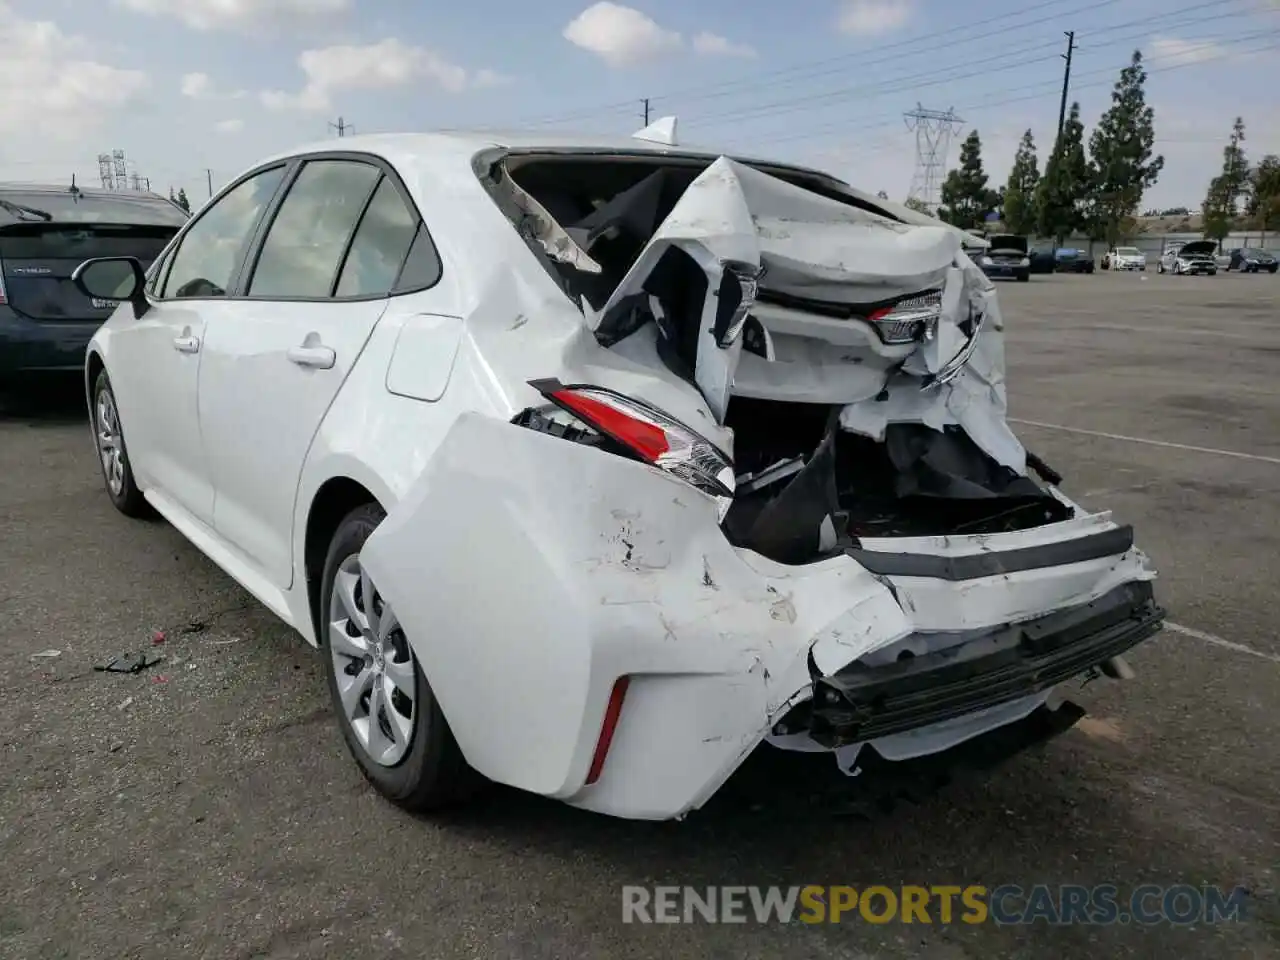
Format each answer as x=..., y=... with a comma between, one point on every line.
x=975, y=400
x=807, y=245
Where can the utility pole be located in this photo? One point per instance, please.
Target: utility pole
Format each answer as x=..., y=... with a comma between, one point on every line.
x=208, y=174
x=1066, y=81
x=341, y=126
x=645, y=101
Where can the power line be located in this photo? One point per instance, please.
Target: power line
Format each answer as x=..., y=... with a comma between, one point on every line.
x=1109, y=71
x=935, y=76
x=840, y=63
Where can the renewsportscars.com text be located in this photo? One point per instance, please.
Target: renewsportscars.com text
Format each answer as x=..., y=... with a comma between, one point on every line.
x=1007, y=904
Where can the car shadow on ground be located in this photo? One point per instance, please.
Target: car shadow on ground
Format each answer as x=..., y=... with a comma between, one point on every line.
x=44, y=400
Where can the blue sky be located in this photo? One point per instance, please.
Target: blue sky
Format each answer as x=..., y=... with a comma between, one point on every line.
x=185, y=85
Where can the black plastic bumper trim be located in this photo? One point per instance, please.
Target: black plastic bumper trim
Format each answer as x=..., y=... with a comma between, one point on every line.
x=988, y=564
x=862, y=703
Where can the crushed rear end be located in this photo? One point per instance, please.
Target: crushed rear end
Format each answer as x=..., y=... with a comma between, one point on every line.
x=770, y=496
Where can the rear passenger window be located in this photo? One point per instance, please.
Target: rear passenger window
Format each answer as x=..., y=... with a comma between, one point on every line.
x=422, y=266
x=380, y=246
x=300, y=255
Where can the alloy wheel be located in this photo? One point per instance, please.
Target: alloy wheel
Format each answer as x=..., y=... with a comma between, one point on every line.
x=373, y=665
x=110, y=444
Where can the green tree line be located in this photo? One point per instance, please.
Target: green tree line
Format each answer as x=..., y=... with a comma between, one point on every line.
x=1097, y=189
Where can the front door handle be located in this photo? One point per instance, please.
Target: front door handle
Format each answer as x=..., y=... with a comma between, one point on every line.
x=312, y=353
x=186, y=343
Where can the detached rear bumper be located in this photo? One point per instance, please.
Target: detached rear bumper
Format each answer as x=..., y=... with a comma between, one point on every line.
x=861, y=702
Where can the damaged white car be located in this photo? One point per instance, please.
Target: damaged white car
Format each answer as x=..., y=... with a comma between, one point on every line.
x=591, y=467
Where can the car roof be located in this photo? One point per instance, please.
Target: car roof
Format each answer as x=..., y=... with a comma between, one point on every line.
x=422, y=150
x=8, y=188
x=452, y=145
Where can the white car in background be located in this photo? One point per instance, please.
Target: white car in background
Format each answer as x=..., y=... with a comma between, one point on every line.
x=592, y=466
x=1125, y=258
x=1186, y=259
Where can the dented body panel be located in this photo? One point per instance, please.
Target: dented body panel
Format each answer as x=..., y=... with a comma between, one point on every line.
x=532, y=569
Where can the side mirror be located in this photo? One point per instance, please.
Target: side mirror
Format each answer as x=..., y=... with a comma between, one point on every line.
x=113, y=278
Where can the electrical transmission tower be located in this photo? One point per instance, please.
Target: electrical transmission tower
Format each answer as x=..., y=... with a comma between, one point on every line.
x=106, y=172
x=933, y=130
x=121, y=169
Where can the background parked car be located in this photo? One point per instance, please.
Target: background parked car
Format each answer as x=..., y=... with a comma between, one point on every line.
x=1194, y=257
x=1043, y=259
x=1252, y=260
x=1007, y=257
x=1124, y=258
x=1070, y=260
x=45, y=233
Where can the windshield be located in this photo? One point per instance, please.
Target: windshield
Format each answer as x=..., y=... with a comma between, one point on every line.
x=89, y=208
x=1128, y=251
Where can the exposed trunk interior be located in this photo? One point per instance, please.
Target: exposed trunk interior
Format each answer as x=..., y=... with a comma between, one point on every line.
x=821, y=340
x=612, y=205
x=822, y=488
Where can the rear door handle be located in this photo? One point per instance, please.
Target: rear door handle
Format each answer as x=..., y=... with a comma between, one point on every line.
x=311, y=355
x=186, y=344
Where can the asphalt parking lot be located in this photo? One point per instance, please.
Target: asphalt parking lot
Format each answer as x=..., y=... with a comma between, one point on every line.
x=207, y=808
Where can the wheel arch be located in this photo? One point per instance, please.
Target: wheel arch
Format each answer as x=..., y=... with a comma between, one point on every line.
x=334, y=499
x=93, y=365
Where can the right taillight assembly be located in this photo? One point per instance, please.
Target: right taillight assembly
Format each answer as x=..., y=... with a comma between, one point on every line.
x=909, y=320
x=638, y=430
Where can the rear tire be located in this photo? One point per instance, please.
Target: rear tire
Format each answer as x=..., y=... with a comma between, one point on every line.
x=113, y=455
x=427, y=773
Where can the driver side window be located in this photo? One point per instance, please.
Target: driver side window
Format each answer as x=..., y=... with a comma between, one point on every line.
x=209, y=254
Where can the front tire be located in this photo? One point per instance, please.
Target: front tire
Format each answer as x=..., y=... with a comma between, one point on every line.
x=113, y=455
x=388, y=714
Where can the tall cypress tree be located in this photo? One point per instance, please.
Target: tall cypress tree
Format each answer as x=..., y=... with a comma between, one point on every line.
x=1123, y=164
x=1064, y=188
x=966, y=198
x=1018, y=203
x=1227, y=187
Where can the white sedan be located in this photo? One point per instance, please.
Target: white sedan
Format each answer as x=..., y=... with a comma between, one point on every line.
x=591, y=467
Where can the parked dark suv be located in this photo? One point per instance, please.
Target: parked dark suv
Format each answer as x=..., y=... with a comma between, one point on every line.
x=45, y=233
x=1252, y=260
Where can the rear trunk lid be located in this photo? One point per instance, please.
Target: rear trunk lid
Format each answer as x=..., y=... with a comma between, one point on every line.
x=1007, y=246
x=1197, y=250
x=38, y=258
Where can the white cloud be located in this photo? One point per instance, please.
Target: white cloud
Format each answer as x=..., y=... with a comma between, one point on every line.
x=489, y=78
x=869, y=18
x=234, y=125
x=714, y=45
x=389, y=63
x=621, y=36
x=1175, y=50
x=237, y=14
x=197, y=86
x=53, y=85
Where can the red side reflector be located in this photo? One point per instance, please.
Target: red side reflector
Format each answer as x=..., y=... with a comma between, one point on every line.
x=611, y=714
x=647, y=440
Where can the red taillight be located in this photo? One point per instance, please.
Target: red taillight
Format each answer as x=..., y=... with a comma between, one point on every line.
x=611, y=714
x=646, y=439
x=647, y=433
